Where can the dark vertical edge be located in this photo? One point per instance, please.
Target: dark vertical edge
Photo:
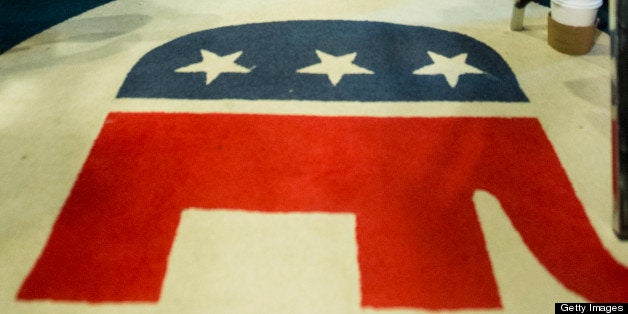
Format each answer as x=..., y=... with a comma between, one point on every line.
x=619, y=85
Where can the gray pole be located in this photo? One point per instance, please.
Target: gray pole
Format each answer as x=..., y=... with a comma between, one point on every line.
x=619, y=54
x=518, y=12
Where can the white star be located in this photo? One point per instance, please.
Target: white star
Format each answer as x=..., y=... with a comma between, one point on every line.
x=451, y=68
x=213, y=65
x=335, y=66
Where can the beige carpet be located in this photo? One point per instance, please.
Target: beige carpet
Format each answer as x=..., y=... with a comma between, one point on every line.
x=64, y=124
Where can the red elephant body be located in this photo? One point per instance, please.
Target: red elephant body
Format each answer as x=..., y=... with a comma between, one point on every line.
x=409, y=182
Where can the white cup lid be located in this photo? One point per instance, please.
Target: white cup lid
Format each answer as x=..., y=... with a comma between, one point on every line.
x=579, y=4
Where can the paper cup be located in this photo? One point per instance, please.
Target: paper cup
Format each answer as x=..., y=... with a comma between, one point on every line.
x=578, y=13
x=571, y=40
